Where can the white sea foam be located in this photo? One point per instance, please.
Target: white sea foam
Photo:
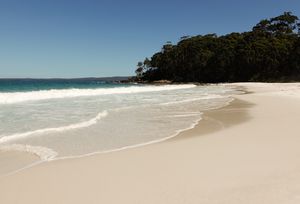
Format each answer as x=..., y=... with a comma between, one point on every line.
x=47, y=154
x=176, y=133
x=184, y=115
x=173, y=112
x=17, y=97
x=44, y=153
x=84, y=124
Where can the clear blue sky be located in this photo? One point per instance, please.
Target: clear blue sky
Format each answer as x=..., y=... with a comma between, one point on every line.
x=81, y=38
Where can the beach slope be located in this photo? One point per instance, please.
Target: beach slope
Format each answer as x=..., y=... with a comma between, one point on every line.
x=247, y=152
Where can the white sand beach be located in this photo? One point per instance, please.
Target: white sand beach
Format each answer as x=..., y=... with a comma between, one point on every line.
x=245, y=153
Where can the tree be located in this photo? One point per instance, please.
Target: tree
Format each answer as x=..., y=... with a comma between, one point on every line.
x=270, y=52
x=139, y=71
x=285, y=23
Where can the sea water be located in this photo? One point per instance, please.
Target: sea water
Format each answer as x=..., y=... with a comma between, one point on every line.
x=57, y=119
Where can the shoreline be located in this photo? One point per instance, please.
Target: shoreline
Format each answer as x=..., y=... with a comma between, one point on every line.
x=252, y=158
x=216, y=119
x=36, y=160
x=153, y=142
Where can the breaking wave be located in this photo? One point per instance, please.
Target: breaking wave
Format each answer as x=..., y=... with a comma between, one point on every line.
x=84, y=124
x=18, y=97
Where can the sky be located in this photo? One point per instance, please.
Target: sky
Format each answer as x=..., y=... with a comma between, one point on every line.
x=100, y=38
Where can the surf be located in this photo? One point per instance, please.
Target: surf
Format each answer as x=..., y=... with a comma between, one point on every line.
x=93, y=121
x=19, y=97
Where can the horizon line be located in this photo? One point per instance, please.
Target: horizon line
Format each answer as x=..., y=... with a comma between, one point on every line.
x=107, y=77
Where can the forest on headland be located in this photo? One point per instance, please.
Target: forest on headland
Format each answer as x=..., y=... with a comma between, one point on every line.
x=269, y=52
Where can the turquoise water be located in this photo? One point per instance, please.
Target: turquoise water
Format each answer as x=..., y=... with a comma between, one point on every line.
x=17, y=85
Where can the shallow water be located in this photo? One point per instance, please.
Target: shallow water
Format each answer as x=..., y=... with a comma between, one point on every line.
x=71, y=122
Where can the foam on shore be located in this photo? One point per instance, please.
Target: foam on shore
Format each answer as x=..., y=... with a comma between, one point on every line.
x=44, y=153
x=122, y=121
x=84, y=124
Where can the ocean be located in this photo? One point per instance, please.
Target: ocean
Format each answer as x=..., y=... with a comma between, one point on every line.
x=58, y=119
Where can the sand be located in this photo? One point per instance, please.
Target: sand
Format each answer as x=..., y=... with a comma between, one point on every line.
x=10, y=161
x=247, y=152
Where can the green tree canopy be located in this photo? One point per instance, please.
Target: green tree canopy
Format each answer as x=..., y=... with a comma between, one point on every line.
x=269, y=52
